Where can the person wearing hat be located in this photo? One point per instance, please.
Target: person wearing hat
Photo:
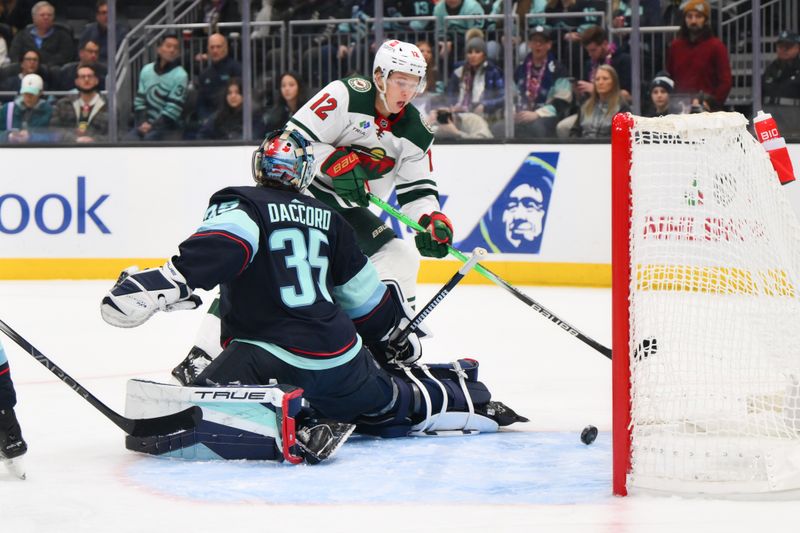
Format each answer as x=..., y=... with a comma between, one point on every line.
x=545, y=93
x=476, y=84
x=780, y=85
x=661, y=88
x=781, y=81
x=697, y=60
x=26, y=118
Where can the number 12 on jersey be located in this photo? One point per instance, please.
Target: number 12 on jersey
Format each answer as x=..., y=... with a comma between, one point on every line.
x=322, y=110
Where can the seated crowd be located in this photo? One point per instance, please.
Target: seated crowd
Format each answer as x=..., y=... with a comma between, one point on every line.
x=552, y=97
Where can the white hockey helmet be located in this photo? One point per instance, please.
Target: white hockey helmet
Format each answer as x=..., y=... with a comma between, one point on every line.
x=399, y=56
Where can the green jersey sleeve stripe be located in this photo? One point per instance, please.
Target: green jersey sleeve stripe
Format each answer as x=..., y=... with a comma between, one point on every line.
x=407, y=198
x=415, y=183
x=304, y=128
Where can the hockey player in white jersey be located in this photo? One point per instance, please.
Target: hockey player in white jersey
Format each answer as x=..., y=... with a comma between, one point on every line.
x=368, y=136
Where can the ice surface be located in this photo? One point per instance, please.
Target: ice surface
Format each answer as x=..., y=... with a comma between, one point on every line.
x=533, y=477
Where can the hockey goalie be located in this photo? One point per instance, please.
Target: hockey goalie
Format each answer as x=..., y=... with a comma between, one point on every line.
x=310, y=348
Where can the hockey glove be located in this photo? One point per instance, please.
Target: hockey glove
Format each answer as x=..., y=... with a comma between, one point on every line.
x=137, y=295
x=438, y=235
x=389, y=351
x=348, y=176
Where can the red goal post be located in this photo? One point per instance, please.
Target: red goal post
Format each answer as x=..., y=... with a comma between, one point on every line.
x=706, y=310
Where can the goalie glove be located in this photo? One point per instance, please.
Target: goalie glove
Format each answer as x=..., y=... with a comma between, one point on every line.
x=389, y=350
x=438, y=235
x=348, y=176
x=137, y=295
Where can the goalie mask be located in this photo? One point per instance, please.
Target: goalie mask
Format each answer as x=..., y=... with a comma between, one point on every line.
x=284, y=157
x=399, y=56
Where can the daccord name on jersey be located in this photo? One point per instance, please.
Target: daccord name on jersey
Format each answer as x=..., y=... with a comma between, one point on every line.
x=300, y=213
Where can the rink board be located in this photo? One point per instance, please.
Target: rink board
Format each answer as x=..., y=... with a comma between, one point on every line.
x=86, y=213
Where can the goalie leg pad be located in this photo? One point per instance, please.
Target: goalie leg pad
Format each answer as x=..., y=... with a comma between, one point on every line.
x=242, y=422
x=434, y=400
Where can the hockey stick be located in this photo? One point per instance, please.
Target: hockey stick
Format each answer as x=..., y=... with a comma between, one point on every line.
x=497, y=280
x=411, y=327
x=137, y=427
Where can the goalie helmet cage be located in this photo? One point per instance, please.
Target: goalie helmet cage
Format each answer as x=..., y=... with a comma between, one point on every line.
x=706, y=318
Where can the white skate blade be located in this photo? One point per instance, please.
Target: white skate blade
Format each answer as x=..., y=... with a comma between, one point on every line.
x=16, y=466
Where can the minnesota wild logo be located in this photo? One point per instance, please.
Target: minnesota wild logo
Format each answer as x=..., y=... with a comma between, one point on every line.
x=359, y=84
x=374, y=161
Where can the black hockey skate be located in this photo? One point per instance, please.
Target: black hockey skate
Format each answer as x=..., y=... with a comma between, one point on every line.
x=191, y=367
x=500, y=413
x=11, y=442
x=320, y=440
x=12, y=445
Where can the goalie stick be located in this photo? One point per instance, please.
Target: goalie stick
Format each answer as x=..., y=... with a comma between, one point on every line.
x=477, y=254
x=497, y=280
x=139, y=427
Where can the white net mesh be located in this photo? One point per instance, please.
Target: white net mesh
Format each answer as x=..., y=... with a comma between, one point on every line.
x=715, y=316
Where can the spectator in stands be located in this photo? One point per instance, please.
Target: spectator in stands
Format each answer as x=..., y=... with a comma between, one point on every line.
x=27, y=117
x=595, y=115
x=649, y=13
x=212, y=81
x=434, y=85
x=28, y=64
x=88, y=54
x=433, y=82
x=476, y=84
x=97, y=31
x=701, y=103
x=16, y=13
x=420, y=8
x=697, y=60
x=781, y=81
x=226, y=123
x=456, y=30
x=449, y=125
x=216, y=11
x=574, y=26
x=293, y=94
x=82, y=117
x=4, y=59
x=53, y=41
x=661, y=89
x=544, y=88
x=161, y=94
x=601, y=52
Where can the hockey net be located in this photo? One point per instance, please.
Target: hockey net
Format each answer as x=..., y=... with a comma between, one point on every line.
x=706, y=312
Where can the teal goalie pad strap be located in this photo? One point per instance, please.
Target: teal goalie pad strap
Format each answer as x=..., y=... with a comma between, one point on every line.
x=244, y=422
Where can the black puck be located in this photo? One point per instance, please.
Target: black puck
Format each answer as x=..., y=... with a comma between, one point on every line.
x=588, y=434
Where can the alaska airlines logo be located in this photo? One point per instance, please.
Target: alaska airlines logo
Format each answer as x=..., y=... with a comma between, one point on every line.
x=515, y=222
x=374, y=161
